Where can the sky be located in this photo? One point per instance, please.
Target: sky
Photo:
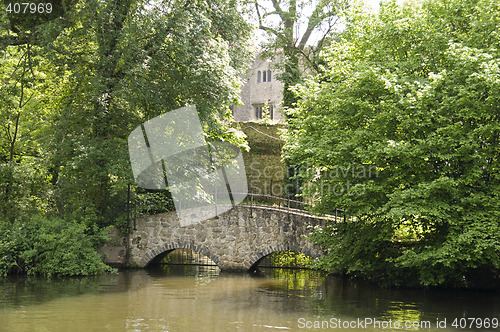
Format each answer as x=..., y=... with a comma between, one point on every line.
x=375, y=3
x=372, y=4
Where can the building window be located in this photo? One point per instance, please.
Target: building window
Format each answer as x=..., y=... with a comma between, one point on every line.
x=264, y=76
x=259, y=111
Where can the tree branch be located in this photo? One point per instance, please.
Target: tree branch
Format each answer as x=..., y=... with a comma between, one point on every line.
x=315, y=20
x=10, y=40
x=261, y=25
x=278, y=9
x=14, y=138
x=322, y=40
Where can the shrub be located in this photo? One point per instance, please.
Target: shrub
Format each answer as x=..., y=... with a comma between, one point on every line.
x=50, y=247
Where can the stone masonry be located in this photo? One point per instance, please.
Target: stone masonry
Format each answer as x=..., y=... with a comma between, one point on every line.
x=255, y=93
x=235, y=241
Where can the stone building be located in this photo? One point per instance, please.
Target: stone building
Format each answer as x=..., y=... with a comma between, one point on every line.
x=260, y=90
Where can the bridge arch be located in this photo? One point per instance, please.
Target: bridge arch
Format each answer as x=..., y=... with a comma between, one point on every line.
x=236, y=240
x=271, y=250
x=151, y=255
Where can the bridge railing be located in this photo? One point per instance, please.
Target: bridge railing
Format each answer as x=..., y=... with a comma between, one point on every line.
x=148, y=203
x=291, y=205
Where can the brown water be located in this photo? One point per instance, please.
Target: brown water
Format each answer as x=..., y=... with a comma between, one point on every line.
x=197, y=298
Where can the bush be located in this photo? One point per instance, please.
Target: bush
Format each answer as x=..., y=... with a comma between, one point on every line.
x=50, y=247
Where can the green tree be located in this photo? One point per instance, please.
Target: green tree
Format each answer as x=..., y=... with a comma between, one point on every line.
x=76, y=82
x=403, y=130
x=23, y=166
x=290, y=27
x=113, y=65
x=282, y=21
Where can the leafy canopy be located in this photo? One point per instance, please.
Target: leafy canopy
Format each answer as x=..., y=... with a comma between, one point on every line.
x=75, y=83
x=403, y=130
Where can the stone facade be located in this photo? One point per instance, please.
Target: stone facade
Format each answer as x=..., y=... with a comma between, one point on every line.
x=260, y=86
x=235, y=241
x=263, y=166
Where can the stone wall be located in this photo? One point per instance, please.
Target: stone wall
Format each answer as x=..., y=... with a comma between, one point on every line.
x=255, y=94
x=235, y=241
x=265, y=171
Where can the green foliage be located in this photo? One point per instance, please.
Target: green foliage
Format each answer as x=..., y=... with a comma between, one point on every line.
x=23, y=189
x=290, y=259
x=290, y=27
x=50, y=247
x=146, y=203
x=363, y=250
x=266, y=114
x=139, y=62
x=403, y=130
x=75, y=86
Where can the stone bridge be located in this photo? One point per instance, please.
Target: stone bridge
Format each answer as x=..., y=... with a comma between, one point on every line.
x=235, y=241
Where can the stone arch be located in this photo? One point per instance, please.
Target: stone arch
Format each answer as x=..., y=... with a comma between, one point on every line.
x=235, y=241
x=266, y=251
x=153, y=253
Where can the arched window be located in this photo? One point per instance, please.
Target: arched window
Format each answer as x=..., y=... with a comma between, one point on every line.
x=258, y=112
x=269, y=76
x=260, y=109
x=258, y=76
x=264, y=76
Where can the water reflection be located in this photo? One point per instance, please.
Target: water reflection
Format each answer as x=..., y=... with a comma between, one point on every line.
x=197, y=271
x=347, y=298
x=182, y=257
x=292, y=281
x=201, y=298
x=22, y=291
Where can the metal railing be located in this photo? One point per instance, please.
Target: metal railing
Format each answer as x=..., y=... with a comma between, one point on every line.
x=148, y=203
x=290, y=206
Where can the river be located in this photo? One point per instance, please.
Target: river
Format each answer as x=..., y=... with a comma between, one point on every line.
x=201, y=298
